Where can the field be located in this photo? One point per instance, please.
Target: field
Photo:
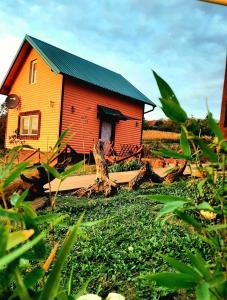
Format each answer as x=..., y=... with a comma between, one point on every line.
x=113, y=254
x=150, y=135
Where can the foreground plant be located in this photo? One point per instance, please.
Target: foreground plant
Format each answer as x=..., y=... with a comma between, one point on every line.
x=23, y=253
x=207, y=277
x=27, y=271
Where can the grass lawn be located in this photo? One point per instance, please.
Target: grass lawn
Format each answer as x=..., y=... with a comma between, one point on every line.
x=114, y=253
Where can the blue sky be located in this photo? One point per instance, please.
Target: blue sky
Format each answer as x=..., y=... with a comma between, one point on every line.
x=185, y=41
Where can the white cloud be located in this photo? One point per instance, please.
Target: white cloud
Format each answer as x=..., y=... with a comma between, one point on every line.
x=184, y=41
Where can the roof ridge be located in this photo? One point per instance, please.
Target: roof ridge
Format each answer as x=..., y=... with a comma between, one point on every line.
x=70, y=53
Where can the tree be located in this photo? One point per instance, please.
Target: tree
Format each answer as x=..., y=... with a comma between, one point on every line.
x=3, y=114
x=145, y=125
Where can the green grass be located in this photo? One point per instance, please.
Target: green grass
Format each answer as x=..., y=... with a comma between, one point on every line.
x=116, y=252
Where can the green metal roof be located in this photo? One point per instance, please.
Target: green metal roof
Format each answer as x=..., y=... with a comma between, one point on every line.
x=64, y=62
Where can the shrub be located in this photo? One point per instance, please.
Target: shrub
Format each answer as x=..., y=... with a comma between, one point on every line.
x=206, y=277
x=24, y=258
x=124, y=166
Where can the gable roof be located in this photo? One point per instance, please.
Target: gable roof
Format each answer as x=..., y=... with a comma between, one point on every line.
x=66, y=63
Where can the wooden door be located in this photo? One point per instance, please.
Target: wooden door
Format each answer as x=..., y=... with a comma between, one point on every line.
x=106, y=131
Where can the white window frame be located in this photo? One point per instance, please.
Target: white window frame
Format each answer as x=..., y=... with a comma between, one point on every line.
x=33, y=71
x=29, y=117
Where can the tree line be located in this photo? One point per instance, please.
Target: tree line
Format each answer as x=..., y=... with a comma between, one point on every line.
x=200, y=126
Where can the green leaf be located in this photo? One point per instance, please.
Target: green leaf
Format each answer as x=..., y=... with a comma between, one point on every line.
x=70, y=281
x=184, y=143
x=167, y=198
x=15, y=173
x=188, y=219
x=59, y=220
x=33, y=277
x=52, y=171
x=60, y=144
x=200, y=186
x=3, y=240
x=14, y=198
x=17, y=199
x=173, y=281
x=21, y=289
x=71, y=170
x=216, y=227
x=164, y=89
x=170, y=153
x=215, y=128
x=83, y=289
x=202, y=291
x=173, y=111
x=62, y=295
x=181, y=267
x=207, y=152
x=18, y=237
x=171, y=207
x=50, y=289
x=217, y=279
x=5, y=260
x=48, y=218
x=204, y=206
x=199, y=263
x=61, y=138
x=11, y=215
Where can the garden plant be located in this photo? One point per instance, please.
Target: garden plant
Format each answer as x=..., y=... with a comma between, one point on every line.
x=27, y=270
x=205, y=214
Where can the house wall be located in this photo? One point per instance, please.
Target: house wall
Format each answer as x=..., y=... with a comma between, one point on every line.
x=37, y=96
x=223, y=118
x=85, y=125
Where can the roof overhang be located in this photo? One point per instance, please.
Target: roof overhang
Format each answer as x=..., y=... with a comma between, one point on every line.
x=22, y=54
x=220, y=2
x=15, y=67
x=112, y=114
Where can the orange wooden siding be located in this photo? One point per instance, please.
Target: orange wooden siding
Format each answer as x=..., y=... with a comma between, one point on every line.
x=85, y=125
x=44, y=95
x=223, y=118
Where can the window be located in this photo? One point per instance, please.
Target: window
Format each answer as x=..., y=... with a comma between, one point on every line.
x=29, y=124
x=33, y=71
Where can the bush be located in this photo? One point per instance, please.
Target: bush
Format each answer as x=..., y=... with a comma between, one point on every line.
x=2, y=130
x=207, y=218
x=25, y=261
x=124, y=166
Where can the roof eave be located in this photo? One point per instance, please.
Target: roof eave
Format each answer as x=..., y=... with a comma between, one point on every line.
x=5, y=90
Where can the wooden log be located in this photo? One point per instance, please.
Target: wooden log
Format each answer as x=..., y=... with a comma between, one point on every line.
x=40, y=202
x=175, y=174
x=103, y=184
x=34, y=183
x=145, y=174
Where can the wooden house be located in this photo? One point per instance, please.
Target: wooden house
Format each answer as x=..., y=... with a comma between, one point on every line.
x=223, y=117
x=59, y=90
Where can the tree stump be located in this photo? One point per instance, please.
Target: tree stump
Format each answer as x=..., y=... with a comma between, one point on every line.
x=146, y=174
x=103, y=184
x=175, y=174
x=34, y=183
